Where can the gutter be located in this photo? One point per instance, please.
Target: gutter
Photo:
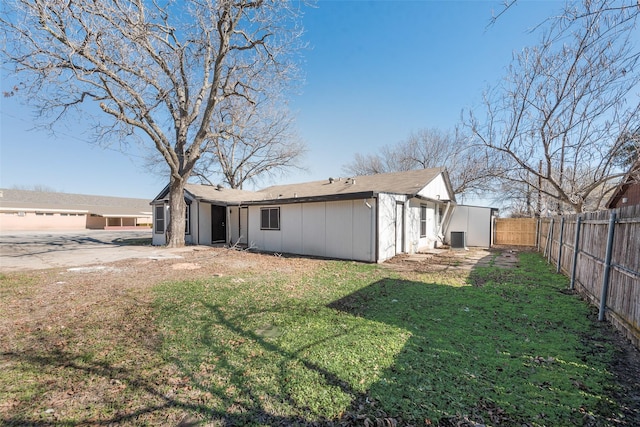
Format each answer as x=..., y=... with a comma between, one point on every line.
x=309, y=199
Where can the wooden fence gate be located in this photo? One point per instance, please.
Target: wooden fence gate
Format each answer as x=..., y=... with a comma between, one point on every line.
x=515, y=231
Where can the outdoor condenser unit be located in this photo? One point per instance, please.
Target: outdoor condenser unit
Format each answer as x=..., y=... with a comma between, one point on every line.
x=458, y=240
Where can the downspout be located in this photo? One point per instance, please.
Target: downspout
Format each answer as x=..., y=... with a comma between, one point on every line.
x=375, y=227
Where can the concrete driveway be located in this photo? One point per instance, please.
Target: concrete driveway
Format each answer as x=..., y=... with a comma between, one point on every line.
x=30, y=250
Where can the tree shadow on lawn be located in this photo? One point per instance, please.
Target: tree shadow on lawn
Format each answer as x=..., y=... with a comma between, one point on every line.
x=496, y=355
x=465, y=355
x=500, y=354
x=160, y=403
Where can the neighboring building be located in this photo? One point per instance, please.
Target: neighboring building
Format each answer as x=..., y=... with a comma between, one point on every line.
x=366, y=218
x=628, y=192
x=40, y=210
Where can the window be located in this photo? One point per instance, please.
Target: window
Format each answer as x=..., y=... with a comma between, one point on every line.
x=187, y=215
x=160, y=219
x=423, y=220
x=270, y=219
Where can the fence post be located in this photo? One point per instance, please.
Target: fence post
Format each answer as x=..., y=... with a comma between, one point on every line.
x=559, y=263
x=576, y=242
x=607, y=267
x=549, y=244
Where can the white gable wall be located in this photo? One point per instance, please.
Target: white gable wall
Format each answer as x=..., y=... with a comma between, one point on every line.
x=436, y=190
x=339, y=229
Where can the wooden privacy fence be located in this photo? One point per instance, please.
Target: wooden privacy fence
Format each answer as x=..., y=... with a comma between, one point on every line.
x=600, y=252
x=515, y=231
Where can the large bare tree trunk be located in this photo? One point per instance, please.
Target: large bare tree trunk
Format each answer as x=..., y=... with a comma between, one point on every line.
x=177, y=210
x=155, y=72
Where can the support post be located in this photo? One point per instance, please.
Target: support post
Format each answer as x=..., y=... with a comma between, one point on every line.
x=607, y=267
x=559, y=263
x=576, y=243
x=549, y=244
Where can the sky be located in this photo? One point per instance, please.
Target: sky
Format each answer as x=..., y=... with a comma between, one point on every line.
x=374, y=72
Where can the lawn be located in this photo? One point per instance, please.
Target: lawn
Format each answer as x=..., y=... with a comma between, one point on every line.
x=353, y=341
x=344, y=344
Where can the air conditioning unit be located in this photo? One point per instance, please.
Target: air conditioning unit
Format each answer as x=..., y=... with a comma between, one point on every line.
x=458, y=240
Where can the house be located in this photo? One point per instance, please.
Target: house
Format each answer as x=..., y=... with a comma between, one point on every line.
x=628, y=191
x=366, y=218
x=42, y=210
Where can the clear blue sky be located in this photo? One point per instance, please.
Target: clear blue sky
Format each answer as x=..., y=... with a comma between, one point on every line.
x=374, y=72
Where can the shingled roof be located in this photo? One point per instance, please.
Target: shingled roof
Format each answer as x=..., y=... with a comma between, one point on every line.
x=409, y=183
x=67, y=202
x=214, y=194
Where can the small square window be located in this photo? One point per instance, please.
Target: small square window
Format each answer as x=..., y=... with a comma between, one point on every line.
x=270, y=219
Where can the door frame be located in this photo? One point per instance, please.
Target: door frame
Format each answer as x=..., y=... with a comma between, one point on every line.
x=222, y=229
x=243, y=225
x=400, y=228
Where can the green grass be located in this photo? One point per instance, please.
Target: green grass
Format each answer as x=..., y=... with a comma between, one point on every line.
x=355, y=341
x=141, y=241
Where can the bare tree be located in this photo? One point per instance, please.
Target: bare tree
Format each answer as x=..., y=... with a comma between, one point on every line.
x=157, y=70
x=252, y=140
x=470, y=168
x=558, y=116
x=630, y=149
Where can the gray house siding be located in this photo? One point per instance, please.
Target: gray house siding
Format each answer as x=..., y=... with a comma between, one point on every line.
x=337, y=229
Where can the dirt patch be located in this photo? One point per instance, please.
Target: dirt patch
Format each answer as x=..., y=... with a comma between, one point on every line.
x=447, y=260
x=454, y=261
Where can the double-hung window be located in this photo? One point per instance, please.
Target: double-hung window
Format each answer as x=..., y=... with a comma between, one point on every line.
x=270, y=219
x=159, y=219
x=187, y=219
x=423, y=220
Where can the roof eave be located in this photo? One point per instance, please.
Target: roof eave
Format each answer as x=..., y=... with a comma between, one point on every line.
x=431, y=199
x=311, y=199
